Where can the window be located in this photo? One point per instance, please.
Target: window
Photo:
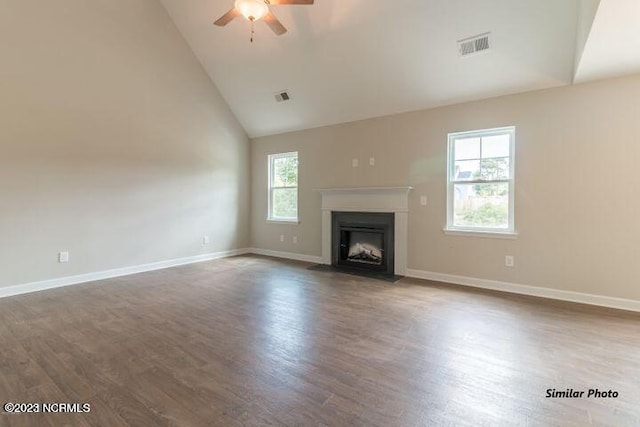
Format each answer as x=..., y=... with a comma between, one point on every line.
x=480, y=182
x=283, y=187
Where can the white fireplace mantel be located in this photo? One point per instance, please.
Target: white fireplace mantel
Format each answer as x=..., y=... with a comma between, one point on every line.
x=368, y=199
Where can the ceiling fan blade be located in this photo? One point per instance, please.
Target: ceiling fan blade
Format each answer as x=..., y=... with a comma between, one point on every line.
x=290, y=1
x=273, y=23
x=227, y=17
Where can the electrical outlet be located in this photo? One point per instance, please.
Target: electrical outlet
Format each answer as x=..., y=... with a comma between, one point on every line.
x=205, y=240
x=63, y=257
x=282, y=237
x=423, y=200
x=372, y=161
x=295, y=240
x=354, y=163
x=508, y=260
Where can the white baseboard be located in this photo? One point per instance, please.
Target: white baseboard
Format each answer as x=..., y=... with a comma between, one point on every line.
x=579, y=297
x=287, y=255
x=599, y=300
x=117, y=272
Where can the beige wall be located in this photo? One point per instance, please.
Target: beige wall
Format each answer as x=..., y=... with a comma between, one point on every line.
x=114, y=143
x=577, y=185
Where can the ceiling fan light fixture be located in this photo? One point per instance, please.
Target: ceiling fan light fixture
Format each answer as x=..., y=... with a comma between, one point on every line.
x=253, y=10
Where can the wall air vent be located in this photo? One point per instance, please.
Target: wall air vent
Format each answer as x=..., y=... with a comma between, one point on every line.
x=473, y=45
x=282, y=96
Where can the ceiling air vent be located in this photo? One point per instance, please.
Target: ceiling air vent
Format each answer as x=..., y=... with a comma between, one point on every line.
x=282, y=96
x=474, y=44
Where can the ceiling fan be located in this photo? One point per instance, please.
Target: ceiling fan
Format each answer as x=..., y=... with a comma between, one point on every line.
x=254, y=10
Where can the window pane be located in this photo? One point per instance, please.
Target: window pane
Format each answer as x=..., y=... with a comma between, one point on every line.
x=466, y=170
x=285, y=203
x=468, y=148
x=285, y=172
x=495, y=146
x=481, y=205
x=496, y=168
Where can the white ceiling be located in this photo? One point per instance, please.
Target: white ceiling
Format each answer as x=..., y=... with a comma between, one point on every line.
x=613, y=45
x=346, y=60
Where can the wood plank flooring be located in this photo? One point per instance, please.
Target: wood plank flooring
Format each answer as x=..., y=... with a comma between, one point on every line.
x=252, y=341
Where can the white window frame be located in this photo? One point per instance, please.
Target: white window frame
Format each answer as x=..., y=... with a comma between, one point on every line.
x=271, y=160
x=510, y=231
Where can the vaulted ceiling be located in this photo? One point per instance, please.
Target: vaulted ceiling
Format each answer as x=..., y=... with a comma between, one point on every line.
x=346, y=60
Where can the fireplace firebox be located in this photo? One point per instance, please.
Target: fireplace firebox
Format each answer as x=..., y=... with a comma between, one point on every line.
x=363, y=241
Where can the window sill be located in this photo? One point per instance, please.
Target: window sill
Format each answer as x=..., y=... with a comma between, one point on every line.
x=512, y=235
x=283, y=221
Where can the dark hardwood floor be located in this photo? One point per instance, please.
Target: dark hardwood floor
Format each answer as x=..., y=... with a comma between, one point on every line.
x=257, y=341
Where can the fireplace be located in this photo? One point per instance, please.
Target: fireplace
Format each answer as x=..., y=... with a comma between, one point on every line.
x=394, y=200
x=363, y=241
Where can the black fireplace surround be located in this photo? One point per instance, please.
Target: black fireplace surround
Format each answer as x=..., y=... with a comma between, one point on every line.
x=363, y=241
